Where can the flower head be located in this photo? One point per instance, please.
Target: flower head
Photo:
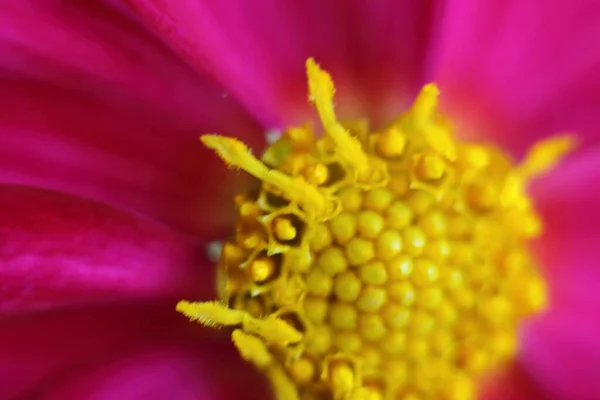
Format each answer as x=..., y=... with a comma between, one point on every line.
x=108, y=200
x=376, y=265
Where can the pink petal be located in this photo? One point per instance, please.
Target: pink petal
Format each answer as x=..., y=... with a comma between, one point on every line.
x=59, y=250
x=513, y=383
x=94, y=105
x=517, y=71
x=171, y=372
x=562, y=350
x=258, y=49
x=129, y=352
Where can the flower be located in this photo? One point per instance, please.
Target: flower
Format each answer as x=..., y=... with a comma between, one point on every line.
x=98, y=107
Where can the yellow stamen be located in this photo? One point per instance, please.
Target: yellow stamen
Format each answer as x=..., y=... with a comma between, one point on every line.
x=252, y=348
x=425, y=105
x=237, y=154
x=545, y=155
x=391, y=143
x=284, y=229
x=321, y=91
x=424, y=120
x=211, y=313
x=262, y=269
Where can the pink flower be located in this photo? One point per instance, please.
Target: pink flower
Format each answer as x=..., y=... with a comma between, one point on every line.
x=106, y=101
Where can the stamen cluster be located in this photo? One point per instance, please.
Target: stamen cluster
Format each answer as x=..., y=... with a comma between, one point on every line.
x=379, y=265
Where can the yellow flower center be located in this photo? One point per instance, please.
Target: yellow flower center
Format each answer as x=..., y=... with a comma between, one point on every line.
x=379, y=265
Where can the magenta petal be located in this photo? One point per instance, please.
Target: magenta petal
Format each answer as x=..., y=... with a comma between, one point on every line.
x=58, y=250
x=102, y=109
x=165, y=373
x=258, y=49
x=517, y=71
x=122, y=352
x=561, y=350
x=513, y=383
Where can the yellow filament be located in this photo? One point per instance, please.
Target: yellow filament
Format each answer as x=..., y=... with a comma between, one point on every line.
x=321, y=91
x=211, y=313
x=425, y=105
x=251, y=348
x=546, y=154
x=237, y=154
x=272, y=330
x=423, y=115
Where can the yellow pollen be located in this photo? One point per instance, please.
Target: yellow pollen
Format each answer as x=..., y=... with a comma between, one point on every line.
x=391, y=143
x=262, y=269
x=284, y=229
x=384, y=265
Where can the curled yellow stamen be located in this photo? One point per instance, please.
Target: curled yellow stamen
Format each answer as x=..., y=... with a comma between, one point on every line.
x=321, y=91
x=545, y=155
x=212, y=313
x=237, y=154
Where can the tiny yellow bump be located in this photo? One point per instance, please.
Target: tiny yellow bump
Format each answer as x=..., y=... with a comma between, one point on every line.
x=373, y=273
x=369, y=224
x=414, y=240
x=378, y=199
x=398, y=215
x=343, y=316
x=395, y=316
x=400, y=267
x=425, y=272
x=419, y=202
x=315, y=309
x=433, y=224
x=403, y=292
x=391, y=143
x=319, y=340
x=359, y=251
x=321, y=238
x=332, y=261
x=395, y=343
x=283, y=229
x=351, y=198
x=482, y=196
x=348, y=341
x=422, y=322
x=372, y=298
x=399, y=184
x=430, y=298
x=388, y=245
x=429, y=167
x=302, y=371
x=371, y=327
x=343, y=227
x=316, y=174
x=262, y=269
x=319, y=283
x=347, y=286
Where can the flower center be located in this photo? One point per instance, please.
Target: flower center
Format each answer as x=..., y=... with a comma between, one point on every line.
x=379, y=265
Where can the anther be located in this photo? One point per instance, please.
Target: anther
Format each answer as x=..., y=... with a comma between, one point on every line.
x=391, y=143
x=429, y=167
x=283, y=229
x=262, y=269
x=341, y=379
x=316, y=174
